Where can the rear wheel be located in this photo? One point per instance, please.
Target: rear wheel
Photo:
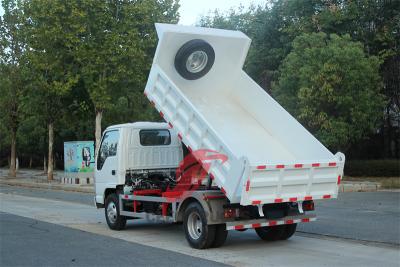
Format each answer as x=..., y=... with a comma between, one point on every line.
x=270, y=233
x=279, y=232
x=220, y=235
x=289, y=231
x=114, y=220
x=198, y=234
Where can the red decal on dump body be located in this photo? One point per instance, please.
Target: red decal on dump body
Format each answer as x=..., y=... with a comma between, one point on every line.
x=192, y=170
x=261, y=167
x=278, y=200
x=247, y=185
x=170, y=125
x=326, y=196
x=315, y=164
x=308, y=198
x=289, y=221
x=161, y=114
x=256, y=202
x=305, y=220
x=280, y=166
x=298, y=165
x=332, y=164
x=272, y=223
x=293, y=199
x=256, y=225
x=338, y=179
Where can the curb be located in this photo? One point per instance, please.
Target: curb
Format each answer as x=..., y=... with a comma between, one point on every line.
x=346, y=187
x=49, y=186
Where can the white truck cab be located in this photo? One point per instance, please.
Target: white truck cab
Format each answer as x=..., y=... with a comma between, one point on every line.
x=134, y=146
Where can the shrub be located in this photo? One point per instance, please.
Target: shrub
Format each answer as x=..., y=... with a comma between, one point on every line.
x=372, y=168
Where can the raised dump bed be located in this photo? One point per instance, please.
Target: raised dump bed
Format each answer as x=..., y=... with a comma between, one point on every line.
x=198, y=85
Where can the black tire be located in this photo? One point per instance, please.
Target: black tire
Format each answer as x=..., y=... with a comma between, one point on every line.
x=279, y=232
x=111, y=211
x=203, y=236
x=271, y=233
x=289, y=231
x=204, y=49
x=220, y=235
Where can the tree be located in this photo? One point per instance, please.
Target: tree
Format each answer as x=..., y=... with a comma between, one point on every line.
x=116, y=50
x=273, y=28
x=332, y=87
x=12, y=83
x=375, y=24
x=53, y=33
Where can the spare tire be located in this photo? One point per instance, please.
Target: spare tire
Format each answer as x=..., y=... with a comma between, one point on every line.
x=194, y=59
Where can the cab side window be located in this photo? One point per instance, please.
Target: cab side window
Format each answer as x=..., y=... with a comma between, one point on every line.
x=155, y=137
x=108, y=147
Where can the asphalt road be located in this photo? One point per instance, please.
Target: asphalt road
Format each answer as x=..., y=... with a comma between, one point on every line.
x=367, y=216
x=82, y=198
x=37, y=230
x=28, y=242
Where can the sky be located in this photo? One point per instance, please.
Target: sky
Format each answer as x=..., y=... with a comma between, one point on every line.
x=192, y=10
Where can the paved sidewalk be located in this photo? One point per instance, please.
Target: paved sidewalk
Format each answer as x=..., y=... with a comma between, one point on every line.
x=38, y=179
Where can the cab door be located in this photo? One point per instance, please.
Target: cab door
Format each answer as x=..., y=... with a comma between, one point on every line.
x=107, y=163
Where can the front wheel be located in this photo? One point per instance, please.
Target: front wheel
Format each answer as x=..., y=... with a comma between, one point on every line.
x=198, y=234
x=114, y=220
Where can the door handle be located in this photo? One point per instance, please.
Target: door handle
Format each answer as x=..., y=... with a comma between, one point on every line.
x=113, y=172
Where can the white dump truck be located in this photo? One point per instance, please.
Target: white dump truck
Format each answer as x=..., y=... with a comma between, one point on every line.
x=227, y=157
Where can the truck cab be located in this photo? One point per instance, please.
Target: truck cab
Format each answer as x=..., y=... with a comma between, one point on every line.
x=139, y=146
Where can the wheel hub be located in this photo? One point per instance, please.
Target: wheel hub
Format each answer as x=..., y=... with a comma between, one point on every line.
x=112, y=212
x=194, y=225
x=196, y=61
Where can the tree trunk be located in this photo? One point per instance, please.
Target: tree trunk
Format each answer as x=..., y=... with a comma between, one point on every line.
x=30, y=162
x=44, y=164
x=99, y=115
x=13, y=161
x=50, y=156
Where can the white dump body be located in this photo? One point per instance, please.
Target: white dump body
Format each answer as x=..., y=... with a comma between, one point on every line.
x=271, y=156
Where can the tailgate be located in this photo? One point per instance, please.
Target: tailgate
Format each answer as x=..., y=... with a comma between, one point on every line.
x=291, y=183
